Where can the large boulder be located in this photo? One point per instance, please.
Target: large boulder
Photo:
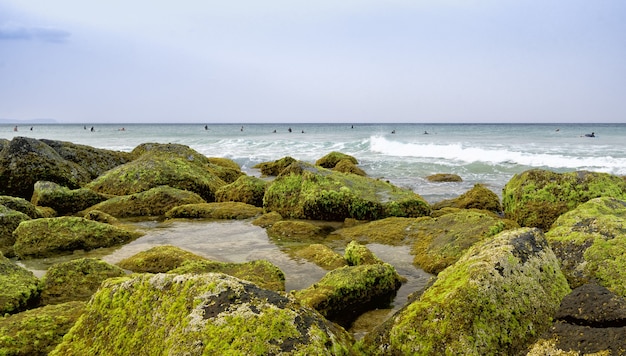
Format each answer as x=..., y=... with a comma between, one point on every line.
x=37, y=331
x=52, y=236
x=224, y=210
x=25, y=161
x=274, y=168
x=158, y=259
x=19, y=288
x=198, y=314
x=304, y=191
x=64, y=200
x=497, y=299
x=9, y=221
x=22, y=205
x=537, y=197
x=246, y=189
x=153, y=202
x=479, y=197
x=590, y=242
x=357, y=254
x=75, y=280
x=333, y=158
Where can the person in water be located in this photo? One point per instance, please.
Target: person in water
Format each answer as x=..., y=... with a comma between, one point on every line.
x=593, y=134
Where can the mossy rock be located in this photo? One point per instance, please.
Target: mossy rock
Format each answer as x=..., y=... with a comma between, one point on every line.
x=316, y=193
x=322, y=256
x=154, y=202
x=389, y=231
x=100, y=216
x=22, y=205
x=346, y=166
x=536, y=198
x=439, y=242
x=444, y=177
x=260, y=272
x=158, y=259
x=53, y=236
x=497, y=299
x=75, y=280
x=590, y=242
x=225, y=210
x=267, y=220
x=37, y=331
x=357, y=254
x=346, y=292
x=333, y=158
x=9, y=221
x=296, y=231
x=225, y=162
x=198, y=314
x=274, y=168
x=19, y=288
x=479, y=197
x=246, y=189
x=64, y=200
x=25, y=161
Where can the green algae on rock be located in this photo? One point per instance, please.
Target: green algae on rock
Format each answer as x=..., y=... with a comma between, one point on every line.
x=322, y=256
x=267, y=220
x=22, y=205
x=388, y=231
x=64, y=200
x=19, y=288
x=296, y=231
x=479, y=197
x=198, y=314
x=52, y=236
x=153, y=202
x=158, y=259
x=224, y=210
x=274, y=168
x=260, y=272
x=37, y=331
x=346, y=166
x=246, y=189
x=497, y=299
x=444, y=177
x=100, y=216
x=537, y=197
x=357, y=254
x=333, y=158
x=9, y=221
x=75, y=280
x=590, y=242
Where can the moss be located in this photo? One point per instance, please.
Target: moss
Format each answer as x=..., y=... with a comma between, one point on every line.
x=267, y=219
x=260, y=272
x=19, y=288
x=389, y=231
x=158, y=259
x=64, y=200
x=20, y=204
x=357, y=254
x=224, y=162
x=208, y=314
x=245, y=189
x=154, y=202
x=274, y=168
x=75, y=280
x=100, y=216
x=37, y=331
x=9, y=220
x=224, y=210
x=444, y=177
x=322, y=256
x=479, y=197
x=333, y=158
x=51, y=236
x=296, y=231
x=346, y=166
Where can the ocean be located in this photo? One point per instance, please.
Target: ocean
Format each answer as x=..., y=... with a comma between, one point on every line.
x=404, y=154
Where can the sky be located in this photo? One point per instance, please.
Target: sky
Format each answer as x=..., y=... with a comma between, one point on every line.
x=244, y=61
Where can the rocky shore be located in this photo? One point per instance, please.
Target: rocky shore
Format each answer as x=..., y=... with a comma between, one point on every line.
x=541, y=271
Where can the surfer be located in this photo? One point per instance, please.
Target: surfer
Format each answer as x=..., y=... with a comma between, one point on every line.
x=593, y=134
x=393, y=132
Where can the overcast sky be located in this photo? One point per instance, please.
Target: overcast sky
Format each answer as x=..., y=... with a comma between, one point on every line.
x=313, y=61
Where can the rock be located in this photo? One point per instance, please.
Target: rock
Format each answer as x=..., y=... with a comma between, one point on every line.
x=439, y=242
x=158, y=259
x=389, y=231
x=497, y=299
x=100, y=216
x=333, y=158
x=590, y=242
x=444, y=177
x=64, y=200
x=25, y=161
x=224, y=162
x=19, y=288
x=225, y=210
x=299, y=231
x=75, y=280
x=9, y=221
x=206, y=314
x=591, y=320
x=153, y=202
x=37, y=331
x=479, y=197
x=322, y=256
x=20, y=204
x=260, y=272
x=52, y=236
x=274, y=168
x=245, y=189
x=536, y=198
x=346, y=292
x=180, y=167
x=346, y=166
x=357, y=254
x=267, y=220
x=303, y=191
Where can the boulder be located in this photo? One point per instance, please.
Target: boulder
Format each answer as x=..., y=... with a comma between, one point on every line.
x=64, y=200
x=303, y=191
x=9, y=221
x=296, y=231
x=346, y=166
x=537, y=197
x=153, y=202
x=267, y=220
x=590, y=242
x=225, y=210
x=100, y=216
x=276, y=167
x=75, y=280
x=444, y=177
x=246, y=189
x=198, y=314
x=333, y=158
x=19, y=288
x=52, y=236
x=497, y=299
x=37, y=331
x=322, y=256
x=479, y=197
x=346, y=292
x=260, y=272
x=357, y=254
x=388, y=231
x=158, y=259
x=25, y=161
x=22, y=205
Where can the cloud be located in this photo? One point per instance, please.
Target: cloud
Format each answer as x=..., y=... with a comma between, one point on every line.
x=23, y=33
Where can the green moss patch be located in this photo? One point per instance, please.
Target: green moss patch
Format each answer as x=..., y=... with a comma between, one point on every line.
x=389, y=231
x=245, y=189
x=224, y=210
x=64, y=200
x=322, y=256
x=19, y=288
x=333, y=158
x=357, y=254
x=158, y=259
x=479, y=197
x=9, y=221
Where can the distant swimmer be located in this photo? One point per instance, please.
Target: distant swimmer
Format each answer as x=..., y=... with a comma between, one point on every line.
x=352, y=127
x=84, y=127
x=92, y=129
x=241, y=128
x=289, y=129
x=557, y=130
x=593, y=134
x=121, y=129
x=393, y=132
x=31, y=128
x=206, y=127
x=425, y=132
x=15, y=129
x=274, y=131
x=302, y=131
